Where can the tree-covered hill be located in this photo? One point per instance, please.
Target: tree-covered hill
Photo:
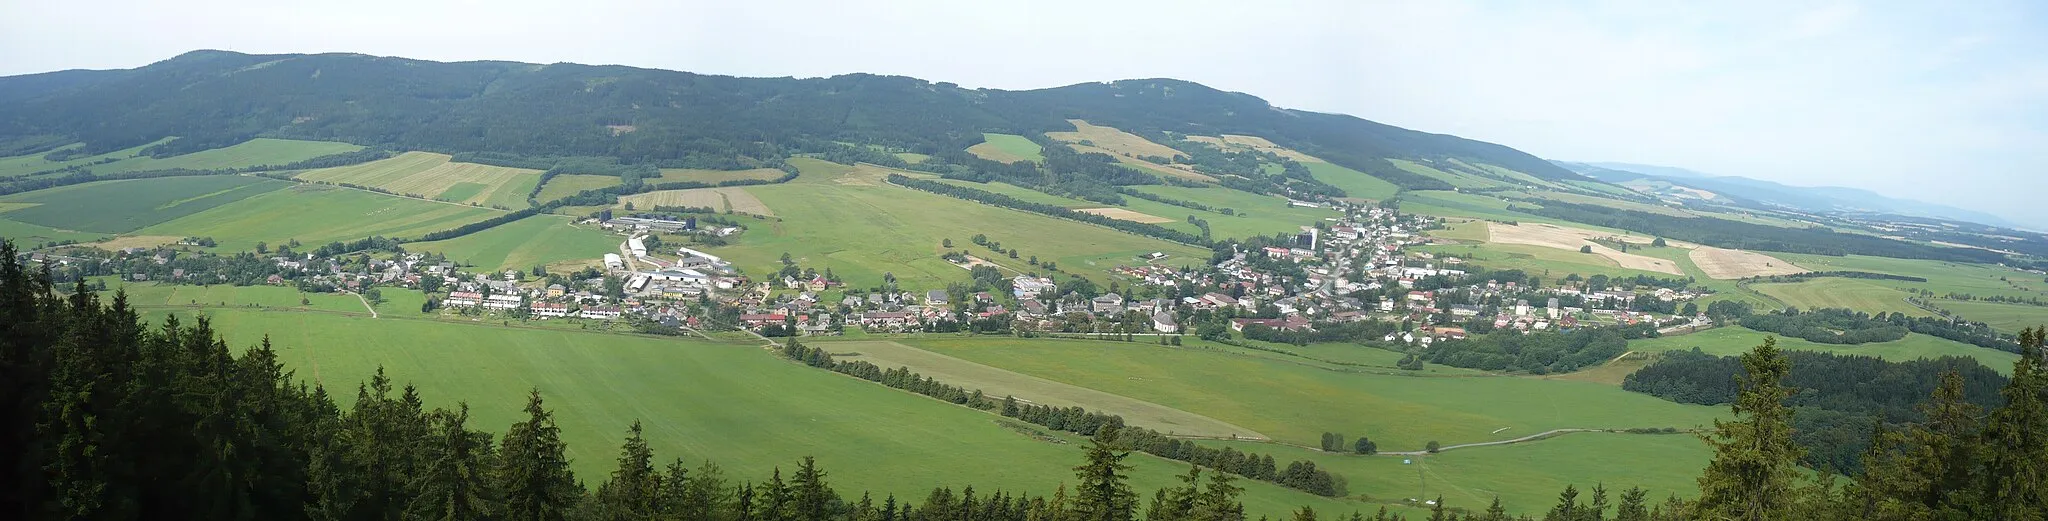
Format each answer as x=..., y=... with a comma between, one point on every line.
x=211, y=99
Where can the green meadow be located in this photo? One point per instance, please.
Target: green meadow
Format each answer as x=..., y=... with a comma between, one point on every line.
x=846, y=218
x=570, y=184
x=1550, y=263
x=317, y=214
x=541, y=240
x=741, y=403
x=2008, y=318
x=1354, y=183
x=1296, y=403
x=27, y=235
x=1008, y=148
x=255, y=152
x=670, y=175
x=1736, y=340
x=1460, y=180
x=167, y=298
x=1254, y=214
x=1866, y=295
x=128, y=205
x=1942, y=277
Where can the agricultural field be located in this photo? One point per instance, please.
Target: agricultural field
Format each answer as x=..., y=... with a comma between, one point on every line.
x=1869, y=296
x=1723, y=263
x=1454, y=204
x=1942, y=277
x=1354, y=183
x=1460, y=180
x=1007, y=148
x=1550, y=263
x=2007, y=318
x=1253, y=214
x=1243, y=142
x=435, y=176
x=566, y=185
x=1296, y=403
x=128, y=205
x=1031, y=389
x=151, y=297
x=912, y=157
x=1126, y=215
x=1736, y=340
x=732, y=198
x=32, y=163
x=674, y=175
x=542, y=240
x=26, y=236
x=845, y=218
x=317, y=214
x=1613, y=203
x=1573, y=239
x=752, y=410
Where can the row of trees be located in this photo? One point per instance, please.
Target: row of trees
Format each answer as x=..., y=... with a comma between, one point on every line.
x=1827, y=326
x=1539, y=353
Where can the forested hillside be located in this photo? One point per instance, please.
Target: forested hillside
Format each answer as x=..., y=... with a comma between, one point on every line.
x=210, y=99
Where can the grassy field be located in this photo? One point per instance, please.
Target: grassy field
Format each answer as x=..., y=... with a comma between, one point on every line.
x=735, y=403
x=1296, y=403
x=1735, y=340
x=1527, y=477
x=434, y=176
x=846, y=218
x=1942, y=277
x=27, y=235
x=671, y=175
x=316, y=214
x=1031, y=389
x=1454, y=204
x=1354, y=183
x=1550, y=263
x=1007, y=148
x=567, y=185
x=2008, y=318
x=125, y=206
x=254, y=152
x=1869, y=296
x=157, y=298
x=1253, y=214
x=1457, y=179
x=912, y=157
x=1613, y=203
x=541, y=240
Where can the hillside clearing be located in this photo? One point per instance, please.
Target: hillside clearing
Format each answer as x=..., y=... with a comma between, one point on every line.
x=1006, y=148
x=565, y=185
x=1116, y=142
x=998, y=382
x=1723, y=263
x=1737, y=340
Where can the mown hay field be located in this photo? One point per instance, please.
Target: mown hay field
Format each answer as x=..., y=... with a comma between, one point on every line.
x=435, y=176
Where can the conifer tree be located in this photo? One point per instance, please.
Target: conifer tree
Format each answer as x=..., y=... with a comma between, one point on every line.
x=533, y=468
x=1913, y=473
x=1632, y=507
x=1755, y=460
x=813, y=498
x=456, y=484
x=2015, y=440
x=1103, y=493
x=631, y=491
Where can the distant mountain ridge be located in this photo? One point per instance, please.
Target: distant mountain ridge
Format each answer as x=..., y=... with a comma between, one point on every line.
x=1833, y=199
x=211, y=99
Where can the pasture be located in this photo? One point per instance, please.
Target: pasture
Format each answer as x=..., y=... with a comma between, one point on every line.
x=571, y=184
x=1869, y=296
x=1736, y=340
x=672, y=175
x=542, y=240
x=1942, y=277
x=841, y=217
x=1550, y=263
x=1006, y=148
x=734, y=199
x=2007, y=318
x=739, y=404
x=164, y=298
x=1243, y=142
x=433, y=176
x=1455, y=204
x=1252, y=214
x=128, y=205
x=31, y=163
x=1126, y=215
x=1296, y=403
x=1457, y=179
x=1354, y=183
x=1030, y=389
x=317, y=214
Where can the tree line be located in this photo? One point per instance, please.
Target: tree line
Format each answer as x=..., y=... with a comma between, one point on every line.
x=1541, y=352
x=1827, y=326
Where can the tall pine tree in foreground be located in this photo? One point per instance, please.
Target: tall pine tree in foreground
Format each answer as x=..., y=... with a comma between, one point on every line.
x=533, y=468
x=1755, y=461
x=2015, y=441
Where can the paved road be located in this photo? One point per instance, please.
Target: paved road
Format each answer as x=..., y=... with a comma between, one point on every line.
x=1532, y=437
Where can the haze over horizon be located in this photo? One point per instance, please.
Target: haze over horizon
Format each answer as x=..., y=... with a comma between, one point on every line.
x=1922, y=102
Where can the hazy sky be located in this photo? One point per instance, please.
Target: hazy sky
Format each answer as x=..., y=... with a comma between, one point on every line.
x=1940, y=101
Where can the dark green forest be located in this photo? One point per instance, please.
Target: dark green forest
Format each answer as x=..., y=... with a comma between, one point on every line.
x=211, y=99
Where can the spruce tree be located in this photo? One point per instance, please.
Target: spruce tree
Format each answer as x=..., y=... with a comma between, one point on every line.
x=1632, y=507
x=2015, y=440
x=631, y=491
x=456, y=484
x=1103, y=493
x=813, y=498
x=1911, y=474
x=533, y=468
x=1755, y=460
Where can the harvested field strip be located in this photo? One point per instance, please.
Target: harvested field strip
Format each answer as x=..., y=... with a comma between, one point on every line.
x=1723, y=263
x=1126, y=215
x=428, y=175
x=1001, y=382
x=1559, y=237
x=727, y=198
x=672, y=175
x=1117, y=142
